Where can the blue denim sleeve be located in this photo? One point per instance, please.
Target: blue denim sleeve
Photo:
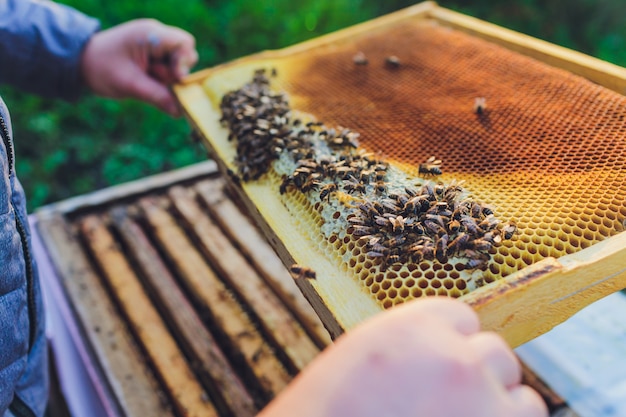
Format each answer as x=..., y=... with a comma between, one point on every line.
x=40, y=46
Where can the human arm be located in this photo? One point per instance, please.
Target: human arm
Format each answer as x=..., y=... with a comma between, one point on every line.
x=40, y=46
x=55, y=51
x=424, y=358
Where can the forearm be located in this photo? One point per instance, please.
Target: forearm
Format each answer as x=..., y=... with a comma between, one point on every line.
x=40, y=46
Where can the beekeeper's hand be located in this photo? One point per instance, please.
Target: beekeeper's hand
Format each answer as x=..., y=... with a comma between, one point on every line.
x=424, y=358
x=139, y=59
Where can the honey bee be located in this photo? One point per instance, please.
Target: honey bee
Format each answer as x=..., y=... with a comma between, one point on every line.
x=396, y=241
x=349, y=140
x=402, y=199
x=459, y=242
x=412, y=192
x=360, y=59
x=414, y=252
x=397, y=224
x=234, y=177
x=494, y=237
x=366, y=175
x=393, y=259
x=414, y=226
x=489, y=223
x=377, y=247
x=372, y=240
x=476, y=209
x=480, y=105
x=390, y=205
x=362, y=230
x=310, y=184
x=327, y=190
x=509, y=230
x=374, y=254
x=469, y=224
x=299, y=272
x=487, y=209
x=453, y=191
x=428, y=251
x=380, y=187
x=482, y=245
x=286, y=182
x=434, y=227
x=454, y=226
x=428, y=191
x=431, y=167
x=476, y=263
x=440, y=220
x=352, y=185
x=416, y=204
x=392, y=61
x=381, y=221
x=370, y=209
x=441, y=249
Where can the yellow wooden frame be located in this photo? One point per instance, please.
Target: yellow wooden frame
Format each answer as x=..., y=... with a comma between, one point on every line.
x=520, y=306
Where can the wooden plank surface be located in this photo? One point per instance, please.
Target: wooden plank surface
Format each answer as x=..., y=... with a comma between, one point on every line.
x=277, y=323
x=121, y=362
x=188, y=396
x=532, y=301
x=216, y=303
x=253, y=245
x=209, y=362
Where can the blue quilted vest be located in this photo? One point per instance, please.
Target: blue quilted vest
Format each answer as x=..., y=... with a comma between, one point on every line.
x=23, y=351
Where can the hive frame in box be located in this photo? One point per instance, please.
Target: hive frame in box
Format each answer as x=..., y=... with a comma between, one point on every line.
x=521, y=306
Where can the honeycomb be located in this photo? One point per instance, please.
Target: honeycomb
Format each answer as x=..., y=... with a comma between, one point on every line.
x=546, y=149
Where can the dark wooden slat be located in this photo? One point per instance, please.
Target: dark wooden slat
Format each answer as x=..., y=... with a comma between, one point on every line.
x=188, y=397
x=121, y=363
x=251, y=243
x=275, y=320
x=216, y=303
x=226, y=389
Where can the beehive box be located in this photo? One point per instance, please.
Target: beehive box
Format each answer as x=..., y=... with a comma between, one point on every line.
x=531, y=132
x=176, y=304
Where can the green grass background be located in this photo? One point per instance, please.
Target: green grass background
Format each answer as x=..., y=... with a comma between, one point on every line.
x=65, y=149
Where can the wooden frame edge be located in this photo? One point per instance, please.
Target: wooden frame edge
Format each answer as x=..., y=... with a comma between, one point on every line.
x=532, y=301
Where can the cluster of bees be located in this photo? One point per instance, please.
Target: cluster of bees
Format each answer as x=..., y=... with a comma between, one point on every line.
x=427, y=221
x=431, y=223
x=352, y=173
x=258, y=119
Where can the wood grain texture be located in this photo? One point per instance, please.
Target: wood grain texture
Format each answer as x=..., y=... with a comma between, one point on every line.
x=188, y=397
x=277, y=323
x=529, y=303
x=253, y=245
x=216, y=302
x=208, y=361
x=121, y=362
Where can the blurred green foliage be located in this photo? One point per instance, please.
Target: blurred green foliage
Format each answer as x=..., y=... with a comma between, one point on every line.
x=65, y=149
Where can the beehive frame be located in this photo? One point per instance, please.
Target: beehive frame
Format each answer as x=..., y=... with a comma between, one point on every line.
x=520, y=306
